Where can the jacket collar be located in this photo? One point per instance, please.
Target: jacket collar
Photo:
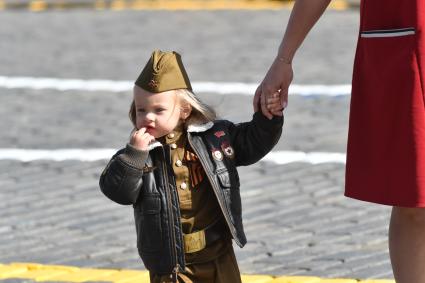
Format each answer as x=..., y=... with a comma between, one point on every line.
x=154, y=145
x=199, y=128
x=194, y=128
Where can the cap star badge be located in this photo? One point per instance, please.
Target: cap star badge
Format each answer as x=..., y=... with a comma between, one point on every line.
x=152, y=84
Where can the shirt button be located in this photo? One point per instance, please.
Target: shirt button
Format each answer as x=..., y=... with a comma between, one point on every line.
x=183, y=186
x=171, y=135
x=173, y=146
x=179, y=163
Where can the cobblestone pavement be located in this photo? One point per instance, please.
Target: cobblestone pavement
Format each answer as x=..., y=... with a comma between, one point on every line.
x=297, y=220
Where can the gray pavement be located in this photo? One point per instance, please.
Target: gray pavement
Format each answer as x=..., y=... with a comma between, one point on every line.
x=297, y=220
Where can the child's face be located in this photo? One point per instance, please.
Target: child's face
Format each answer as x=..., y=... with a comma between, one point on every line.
x=159, y=113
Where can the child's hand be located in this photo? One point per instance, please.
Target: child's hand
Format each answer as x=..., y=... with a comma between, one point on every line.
x=140, y=139
x=274, y=104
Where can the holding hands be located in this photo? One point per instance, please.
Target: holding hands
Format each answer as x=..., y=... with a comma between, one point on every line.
x=272, y=93
x=304, y=15
x=141, y=139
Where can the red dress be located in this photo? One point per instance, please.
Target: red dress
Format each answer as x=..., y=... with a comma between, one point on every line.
x=386, y=141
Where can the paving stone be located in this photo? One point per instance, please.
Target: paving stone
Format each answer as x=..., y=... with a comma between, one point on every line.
x=297, y=220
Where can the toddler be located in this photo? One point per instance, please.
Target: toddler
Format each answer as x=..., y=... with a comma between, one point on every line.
x=179, y=173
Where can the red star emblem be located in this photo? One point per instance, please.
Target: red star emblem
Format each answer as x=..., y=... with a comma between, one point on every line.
x=152, y=83
x=219, y=134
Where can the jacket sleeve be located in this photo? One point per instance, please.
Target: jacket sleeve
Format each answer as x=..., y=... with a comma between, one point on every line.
x=253, y=140
x=121, y=180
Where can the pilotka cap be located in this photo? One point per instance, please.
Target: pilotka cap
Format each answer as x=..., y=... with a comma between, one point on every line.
x=164, y=71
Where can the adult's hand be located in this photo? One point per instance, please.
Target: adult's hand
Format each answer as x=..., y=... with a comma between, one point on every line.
x=277, y=79
x=303, y=17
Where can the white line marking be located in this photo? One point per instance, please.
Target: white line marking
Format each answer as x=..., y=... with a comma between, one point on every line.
x=26, y=155
x=285, y=157
x=278, y=157
x=198, y=87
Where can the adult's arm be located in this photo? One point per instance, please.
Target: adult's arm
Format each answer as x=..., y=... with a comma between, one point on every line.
x=303, y=17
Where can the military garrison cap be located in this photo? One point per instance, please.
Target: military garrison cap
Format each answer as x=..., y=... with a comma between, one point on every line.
x=164, y=71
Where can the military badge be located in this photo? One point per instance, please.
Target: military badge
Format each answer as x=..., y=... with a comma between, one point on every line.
x=152, y=84
x=219, y=134
x=217, y=155
x=228, y=150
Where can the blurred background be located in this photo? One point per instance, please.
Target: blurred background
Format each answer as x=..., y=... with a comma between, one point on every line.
x=66, y=73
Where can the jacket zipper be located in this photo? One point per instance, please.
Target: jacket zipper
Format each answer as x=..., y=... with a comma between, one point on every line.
x=226, y=216
x=171, y=226
x=175, y=272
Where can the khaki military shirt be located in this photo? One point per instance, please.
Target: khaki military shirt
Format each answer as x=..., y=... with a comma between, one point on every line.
x=199, y=207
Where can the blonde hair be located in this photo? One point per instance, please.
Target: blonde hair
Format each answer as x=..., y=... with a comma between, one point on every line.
x=201, y=112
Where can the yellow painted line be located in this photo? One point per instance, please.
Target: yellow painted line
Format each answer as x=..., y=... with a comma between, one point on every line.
x=126, y=276
x=257, y=278
x=31, y=265
x=337, y=280
x=11, y=271
x=37, y=5
x=42, y=274
x=339, y=5
x=296, y=279
x=59, y=273
x=120, y=5
x=200, y=5
x=214, y=5
x=84, y=274
x=100, y=5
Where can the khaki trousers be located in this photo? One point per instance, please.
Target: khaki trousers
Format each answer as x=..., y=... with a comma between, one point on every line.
x=223, y=269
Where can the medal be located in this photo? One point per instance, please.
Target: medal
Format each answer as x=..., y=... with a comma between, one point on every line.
x=228, y=150
x=217, y=155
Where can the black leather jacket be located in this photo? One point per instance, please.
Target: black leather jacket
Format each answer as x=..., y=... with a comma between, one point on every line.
x=145, y=179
